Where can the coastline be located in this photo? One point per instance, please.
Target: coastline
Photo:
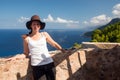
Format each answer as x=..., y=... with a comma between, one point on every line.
x=11, y=41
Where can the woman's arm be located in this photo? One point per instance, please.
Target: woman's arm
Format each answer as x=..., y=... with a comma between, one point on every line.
x=26, y=51
x=52, y=42
x=25, y=46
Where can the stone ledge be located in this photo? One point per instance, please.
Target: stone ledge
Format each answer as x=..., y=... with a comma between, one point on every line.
x=82, y=64
x=99, y=45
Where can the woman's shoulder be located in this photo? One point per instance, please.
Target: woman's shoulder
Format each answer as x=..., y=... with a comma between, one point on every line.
x=45, y=34
x=25, y=36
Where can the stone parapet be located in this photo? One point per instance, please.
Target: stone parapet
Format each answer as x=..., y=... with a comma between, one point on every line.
x=99, y=45
x=66, y=64
x=81, y=64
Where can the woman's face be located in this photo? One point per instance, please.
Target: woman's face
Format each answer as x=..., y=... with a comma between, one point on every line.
x=35, y=26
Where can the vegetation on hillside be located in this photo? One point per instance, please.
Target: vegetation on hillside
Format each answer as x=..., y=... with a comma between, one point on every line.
x=113, y=21
x=76, y=45
x=111, y=33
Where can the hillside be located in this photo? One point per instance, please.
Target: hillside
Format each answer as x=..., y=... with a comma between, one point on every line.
x=113, y=21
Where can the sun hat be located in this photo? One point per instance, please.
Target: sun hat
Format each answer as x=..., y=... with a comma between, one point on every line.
x=35, y=18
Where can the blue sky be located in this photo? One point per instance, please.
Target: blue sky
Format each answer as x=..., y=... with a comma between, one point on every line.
x=58, y=14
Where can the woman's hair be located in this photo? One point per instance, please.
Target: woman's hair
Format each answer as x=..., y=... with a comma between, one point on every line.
x=30, y=31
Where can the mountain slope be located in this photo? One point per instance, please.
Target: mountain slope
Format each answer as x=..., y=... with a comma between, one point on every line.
x=113, y=21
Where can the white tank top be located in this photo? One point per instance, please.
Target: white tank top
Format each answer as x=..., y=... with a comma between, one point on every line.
x=39, y=51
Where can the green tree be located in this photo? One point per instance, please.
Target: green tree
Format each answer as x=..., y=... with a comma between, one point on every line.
x=110, y=33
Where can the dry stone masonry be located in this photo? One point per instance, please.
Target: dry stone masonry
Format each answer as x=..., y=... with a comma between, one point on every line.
x=89, y=63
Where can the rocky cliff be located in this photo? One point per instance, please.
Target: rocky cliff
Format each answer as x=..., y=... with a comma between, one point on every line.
x=81, y=64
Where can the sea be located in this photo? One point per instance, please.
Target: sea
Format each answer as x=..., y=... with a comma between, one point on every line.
x=11, y=42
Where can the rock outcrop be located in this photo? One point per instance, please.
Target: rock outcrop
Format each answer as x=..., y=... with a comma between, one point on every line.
x=81, y=64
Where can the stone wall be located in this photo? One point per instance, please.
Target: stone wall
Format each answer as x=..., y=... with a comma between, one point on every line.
x=82, y=64
x=99, y=45
x=102, y=64
x=66, y=64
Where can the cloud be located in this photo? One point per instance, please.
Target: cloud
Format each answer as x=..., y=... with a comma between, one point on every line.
x=49, y=19
x=98, y=20
x=103, y=19
x=85, y=22
x=58, y=20
x=23, y=19
x=116, y=10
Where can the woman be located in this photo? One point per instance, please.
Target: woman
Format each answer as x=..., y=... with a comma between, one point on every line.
x=35, y=45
